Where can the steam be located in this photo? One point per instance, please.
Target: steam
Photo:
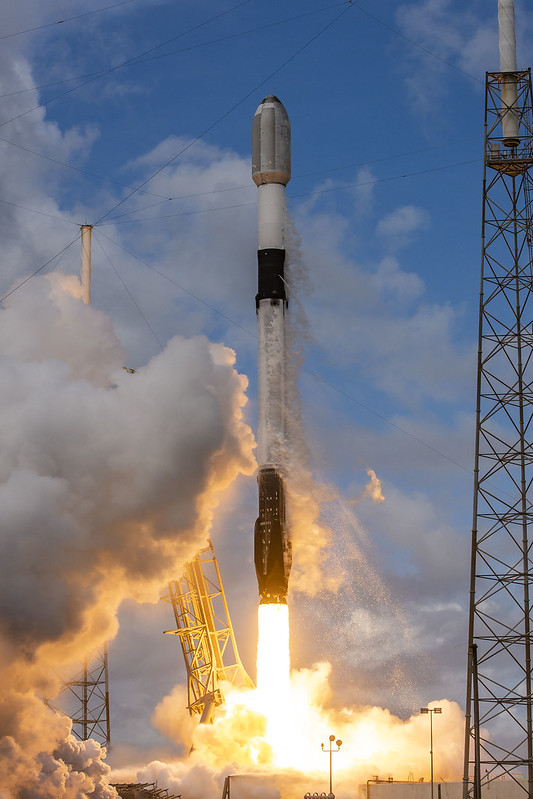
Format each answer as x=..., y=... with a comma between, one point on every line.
x=373, y=489
x=375, y=742
x=305, y=495
x=108, y=481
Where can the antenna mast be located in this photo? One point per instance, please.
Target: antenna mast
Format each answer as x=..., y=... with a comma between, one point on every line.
x=86, y=234
x=88, y=690
x=499, y=705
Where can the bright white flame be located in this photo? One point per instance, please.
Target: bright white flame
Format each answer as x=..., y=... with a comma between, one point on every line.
x=273, y=658
x=274, y=673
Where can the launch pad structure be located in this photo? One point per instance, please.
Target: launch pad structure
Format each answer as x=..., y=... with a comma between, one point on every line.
x=499, y=702
x=143, y=790
x=206, y=635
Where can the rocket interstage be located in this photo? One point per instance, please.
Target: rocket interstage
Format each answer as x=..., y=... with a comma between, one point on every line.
x=271, y=171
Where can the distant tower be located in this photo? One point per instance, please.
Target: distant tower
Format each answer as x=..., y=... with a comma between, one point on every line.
x=87, y=692
x=499, y=703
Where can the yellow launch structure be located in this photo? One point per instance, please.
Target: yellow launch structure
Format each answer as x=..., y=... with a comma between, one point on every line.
x=206, y=635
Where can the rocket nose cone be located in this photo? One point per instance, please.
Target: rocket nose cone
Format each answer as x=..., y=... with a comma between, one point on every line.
x=272, y=100
x=271, y=143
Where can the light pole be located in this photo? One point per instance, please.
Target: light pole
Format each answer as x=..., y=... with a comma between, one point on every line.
x=338, y=744
x=431, y=711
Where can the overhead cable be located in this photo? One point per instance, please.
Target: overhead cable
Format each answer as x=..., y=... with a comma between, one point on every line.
x=229, y=111
x=118, y=66
x=343, y=168
x=135, y=60
x=40, y=269
x=310, y=372
x=63, y=21
x=128, y=292
x=418, y=45
x=119, y=221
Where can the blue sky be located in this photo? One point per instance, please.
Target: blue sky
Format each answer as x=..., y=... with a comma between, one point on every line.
x=386, y=106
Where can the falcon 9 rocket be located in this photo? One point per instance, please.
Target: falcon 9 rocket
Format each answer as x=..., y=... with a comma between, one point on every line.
x=271, y=171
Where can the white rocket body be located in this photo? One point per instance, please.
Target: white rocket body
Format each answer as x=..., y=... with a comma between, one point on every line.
x=271, y=171
x=507, y=38
x=271, y=333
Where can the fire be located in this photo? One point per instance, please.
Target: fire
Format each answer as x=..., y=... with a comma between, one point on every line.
x=290, y=702
x=273, y=673
x=277, y=728
x=273, y=659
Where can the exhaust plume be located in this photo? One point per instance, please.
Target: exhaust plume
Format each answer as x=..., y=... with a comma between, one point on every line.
x=108, y=482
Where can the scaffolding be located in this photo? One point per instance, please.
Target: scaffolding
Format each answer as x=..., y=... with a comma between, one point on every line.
x=498, y=734
x=143, y=790
x=206, y=634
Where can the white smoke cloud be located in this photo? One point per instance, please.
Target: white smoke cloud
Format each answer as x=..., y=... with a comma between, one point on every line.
x=108, y=482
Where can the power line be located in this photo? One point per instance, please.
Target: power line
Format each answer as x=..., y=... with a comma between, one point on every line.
x=419, y=46
x=76, y=168
x=41, y=213
x=307, y=371
x=63, y=21
x=385, y=419
x=178, y=285
x=164, y=199
x=202, y=211
x=119, y=221
x=229, y=111
x=29, y=277
x=249, y=186
x=135, y=60
x=126, y=289
x=118, y=66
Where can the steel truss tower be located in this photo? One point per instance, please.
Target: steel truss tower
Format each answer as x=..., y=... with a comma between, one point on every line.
x=499, y=707
x=85, y=699
x=206, y=634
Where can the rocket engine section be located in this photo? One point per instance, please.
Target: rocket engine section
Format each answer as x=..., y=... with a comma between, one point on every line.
x=271, y=171
x=272, y=546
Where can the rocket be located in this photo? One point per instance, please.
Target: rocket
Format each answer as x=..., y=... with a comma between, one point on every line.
x=271, y=171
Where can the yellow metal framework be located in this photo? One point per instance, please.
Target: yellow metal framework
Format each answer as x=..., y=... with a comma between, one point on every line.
x=206, y=635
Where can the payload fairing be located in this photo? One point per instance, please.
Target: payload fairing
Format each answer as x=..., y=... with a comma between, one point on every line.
x=271, y=171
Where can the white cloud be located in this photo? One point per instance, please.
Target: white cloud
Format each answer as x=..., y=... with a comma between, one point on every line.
x=391, y=279
x=398, y=227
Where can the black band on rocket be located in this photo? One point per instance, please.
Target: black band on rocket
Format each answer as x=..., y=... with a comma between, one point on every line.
x=270, y=277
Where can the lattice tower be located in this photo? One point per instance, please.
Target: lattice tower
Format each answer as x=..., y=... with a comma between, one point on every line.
x=84, y=697
x=498, y=741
